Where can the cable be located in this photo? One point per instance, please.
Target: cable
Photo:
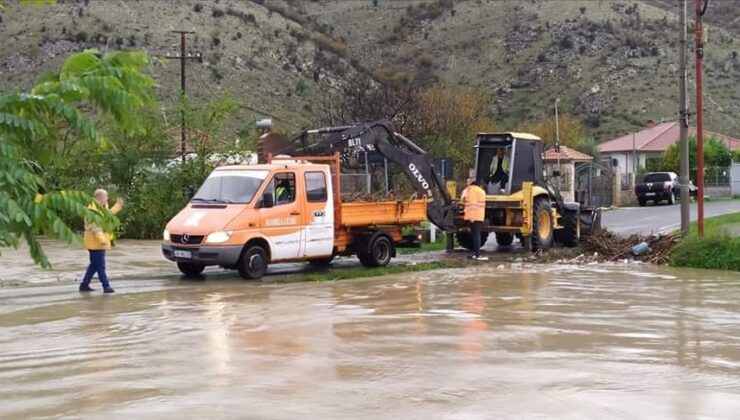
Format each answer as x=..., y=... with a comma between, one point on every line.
x=704, y=8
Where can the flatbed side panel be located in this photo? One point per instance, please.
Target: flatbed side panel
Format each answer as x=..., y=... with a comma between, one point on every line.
x=383, y=213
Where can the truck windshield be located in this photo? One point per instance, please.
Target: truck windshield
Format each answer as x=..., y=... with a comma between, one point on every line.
x=229, y=187
x=657, y=177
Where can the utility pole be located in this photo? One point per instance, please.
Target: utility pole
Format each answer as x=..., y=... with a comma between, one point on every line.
x=701, y=7
x=683, y=120
x=183, y=57
x=557, y=137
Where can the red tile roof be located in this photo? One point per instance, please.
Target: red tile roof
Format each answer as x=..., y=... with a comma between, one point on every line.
x=566, y=154
x=658, y=139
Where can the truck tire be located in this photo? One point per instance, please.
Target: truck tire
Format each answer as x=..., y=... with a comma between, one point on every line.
x=671, y=199
x=253, y=262
x=378, y=253
x=641, y=201
x=542, y=224
x=568, y=235
x=466, y=240
x=190, y=269
x=504, y=238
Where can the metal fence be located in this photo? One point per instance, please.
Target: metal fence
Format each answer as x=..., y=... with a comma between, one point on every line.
x=717, y=177
x=355, y=184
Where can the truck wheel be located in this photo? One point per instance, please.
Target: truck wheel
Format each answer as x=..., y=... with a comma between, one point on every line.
x=253, y=263
x=672, y=199
x=190, y=269
x=504, y=238
x=378, y=254
x=568, y=235
x=466, y=240
x=542, y=224
x=641, y=201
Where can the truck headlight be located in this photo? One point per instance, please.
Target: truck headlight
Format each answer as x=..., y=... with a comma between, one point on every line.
x=166, y=235
x=218, y=237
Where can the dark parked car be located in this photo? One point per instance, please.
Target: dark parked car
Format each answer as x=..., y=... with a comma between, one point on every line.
x=659, y=186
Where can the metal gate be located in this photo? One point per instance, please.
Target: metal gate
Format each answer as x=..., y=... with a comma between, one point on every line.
x=594, y=184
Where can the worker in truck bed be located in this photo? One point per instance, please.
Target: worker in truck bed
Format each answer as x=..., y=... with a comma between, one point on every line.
x=474, y=200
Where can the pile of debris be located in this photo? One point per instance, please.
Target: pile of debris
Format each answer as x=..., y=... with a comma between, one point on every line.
x=361, y=197
x=611, y=247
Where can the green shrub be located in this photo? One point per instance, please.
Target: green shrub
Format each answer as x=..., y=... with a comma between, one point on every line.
x=719, y=252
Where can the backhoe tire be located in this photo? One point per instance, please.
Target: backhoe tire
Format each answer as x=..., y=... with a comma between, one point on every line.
x=379, y=251
x=542, y=224
x=253, y=262
x=504, y=238
x=189, y=269
x=568, y=235
x=466, y=240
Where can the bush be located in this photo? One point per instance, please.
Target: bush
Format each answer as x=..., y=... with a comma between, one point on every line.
x=566, y=43
x=157, y=197
x=719, y=252
x=198, y=8
x=217, y=13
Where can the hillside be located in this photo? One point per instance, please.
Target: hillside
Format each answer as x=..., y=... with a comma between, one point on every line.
x=613, y=63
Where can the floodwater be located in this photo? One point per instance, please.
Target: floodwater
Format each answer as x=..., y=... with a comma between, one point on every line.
x=542, y=342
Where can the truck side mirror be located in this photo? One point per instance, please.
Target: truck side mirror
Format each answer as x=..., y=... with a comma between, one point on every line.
x=267, y=200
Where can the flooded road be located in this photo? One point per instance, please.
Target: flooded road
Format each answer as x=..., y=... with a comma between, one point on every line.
x=555, y=342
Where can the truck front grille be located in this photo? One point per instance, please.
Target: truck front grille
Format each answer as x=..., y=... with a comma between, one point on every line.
x=186, y=239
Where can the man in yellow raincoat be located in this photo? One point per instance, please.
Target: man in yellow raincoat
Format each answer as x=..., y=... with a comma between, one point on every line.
x=97, y=242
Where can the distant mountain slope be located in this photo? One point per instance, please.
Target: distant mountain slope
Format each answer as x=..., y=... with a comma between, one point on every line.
x=613, y=63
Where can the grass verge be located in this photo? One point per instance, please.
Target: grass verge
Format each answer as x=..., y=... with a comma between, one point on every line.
x=425, y=247
x=354, y=273
x=719, y=249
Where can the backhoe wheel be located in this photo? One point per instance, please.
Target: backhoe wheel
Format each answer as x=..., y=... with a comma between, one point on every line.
x=465, y=239
x=253, y=263
x=504, y=238
x=542, y=224
x=378, y=253
x=190, y=269
x=569, y=234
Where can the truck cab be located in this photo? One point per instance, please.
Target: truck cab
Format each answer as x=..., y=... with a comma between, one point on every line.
x=277, y=212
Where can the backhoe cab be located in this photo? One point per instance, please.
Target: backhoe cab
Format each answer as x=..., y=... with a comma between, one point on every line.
x=520, y=202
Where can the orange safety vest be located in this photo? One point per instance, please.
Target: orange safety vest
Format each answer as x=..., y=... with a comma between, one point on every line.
x=474, y=199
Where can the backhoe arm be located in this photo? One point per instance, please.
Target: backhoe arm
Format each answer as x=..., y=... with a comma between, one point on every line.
x=380, y=136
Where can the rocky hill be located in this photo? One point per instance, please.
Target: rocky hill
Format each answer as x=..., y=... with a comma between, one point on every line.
x=613, y=63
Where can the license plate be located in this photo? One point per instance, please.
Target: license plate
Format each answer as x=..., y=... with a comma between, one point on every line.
x=649, y=194
x=182, y=254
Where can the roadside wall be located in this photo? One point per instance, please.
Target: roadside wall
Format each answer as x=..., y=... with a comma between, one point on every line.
x=718, y=191
x=735, y=178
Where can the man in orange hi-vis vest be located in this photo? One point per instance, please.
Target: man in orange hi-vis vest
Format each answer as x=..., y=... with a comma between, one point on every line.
x=474, y=200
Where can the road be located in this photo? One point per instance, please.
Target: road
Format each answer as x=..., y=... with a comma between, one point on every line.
x=660, y=218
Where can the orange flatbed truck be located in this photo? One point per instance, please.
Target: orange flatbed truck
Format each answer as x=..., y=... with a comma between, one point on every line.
x=289, y=209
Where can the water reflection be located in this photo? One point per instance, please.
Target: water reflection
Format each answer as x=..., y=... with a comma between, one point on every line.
x=485, y=343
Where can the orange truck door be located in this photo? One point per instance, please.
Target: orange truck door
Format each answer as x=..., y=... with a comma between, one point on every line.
x=319, y=214
x=282, y=224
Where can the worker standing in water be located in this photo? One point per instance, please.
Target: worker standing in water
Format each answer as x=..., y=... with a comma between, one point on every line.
x=474, y=200
x=97, y=242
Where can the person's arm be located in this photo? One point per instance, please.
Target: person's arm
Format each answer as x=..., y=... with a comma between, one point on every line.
x=118, y=206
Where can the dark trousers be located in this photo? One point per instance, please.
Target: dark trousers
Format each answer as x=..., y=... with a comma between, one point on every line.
x=475, y=231
x=97, y=265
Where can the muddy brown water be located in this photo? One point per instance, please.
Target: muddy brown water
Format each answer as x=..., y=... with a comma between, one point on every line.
x=543, y=342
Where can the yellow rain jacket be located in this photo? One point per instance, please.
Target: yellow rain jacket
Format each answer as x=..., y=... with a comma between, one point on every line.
x=95, y=238
x=474, y=199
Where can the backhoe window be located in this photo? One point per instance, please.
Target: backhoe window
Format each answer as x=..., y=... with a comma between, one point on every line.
x=237, y=187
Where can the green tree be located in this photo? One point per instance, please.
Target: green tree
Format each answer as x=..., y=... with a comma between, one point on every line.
x=716, y=154
x=32, y=126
